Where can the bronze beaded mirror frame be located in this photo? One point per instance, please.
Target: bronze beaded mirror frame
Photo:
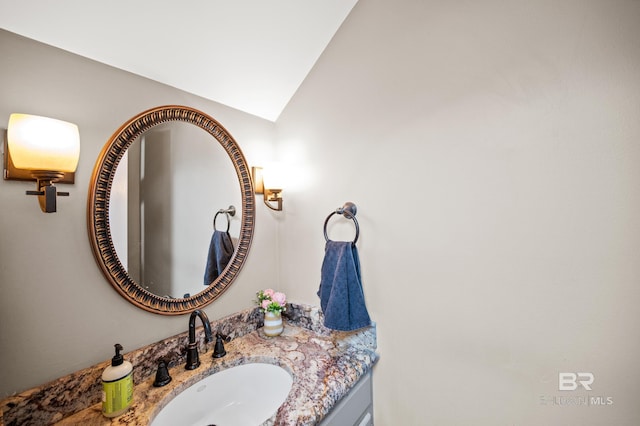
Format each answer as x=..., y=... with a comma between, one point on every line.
x=98, y=210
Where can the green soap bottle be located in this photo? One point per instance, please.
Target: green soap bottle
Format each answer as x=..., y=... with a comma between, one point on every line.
x=117, y=385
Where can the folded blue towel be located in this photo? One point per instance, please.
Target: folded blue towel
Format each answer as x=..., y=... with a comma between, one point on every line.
x=341, y=296
x=220, y=252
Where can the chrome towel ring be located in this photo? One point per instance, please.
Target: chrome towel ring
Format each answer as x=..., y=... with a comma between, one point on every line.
x=231, y=211
x=349, y=211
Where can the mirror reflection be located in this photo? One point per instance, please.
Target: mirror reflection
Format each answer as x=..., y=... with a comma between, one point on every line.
x=168, y=188
x=154, y=194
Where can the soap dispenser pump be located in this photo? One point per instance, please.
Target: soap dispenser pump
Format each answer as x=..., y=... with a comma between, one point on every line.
x=117, y=385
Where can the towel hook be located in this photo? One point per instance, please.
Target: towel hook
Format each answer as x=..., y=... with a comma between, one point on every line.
x=349, y=211
x=231, y=211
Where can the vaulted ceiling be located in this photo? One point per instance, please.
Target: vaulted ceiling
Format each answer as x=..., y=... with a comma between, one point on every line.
x=251, y=55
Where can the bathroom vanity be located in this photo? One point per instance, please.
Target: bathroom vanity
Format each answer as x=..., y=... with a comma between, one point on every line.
x=356, y=408
x=331, y=374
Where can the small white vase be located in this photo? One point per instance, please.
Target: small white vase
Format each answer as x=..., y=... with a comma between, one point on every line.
x=273, y=324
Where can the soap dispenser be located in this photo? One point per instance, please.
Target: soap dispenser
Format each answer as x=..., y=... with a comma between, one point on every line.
x=117, y=385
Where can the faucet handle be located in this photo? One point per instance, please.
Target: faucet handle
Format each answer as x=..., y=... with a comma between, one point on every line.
x=162, y=374
x=218, y=350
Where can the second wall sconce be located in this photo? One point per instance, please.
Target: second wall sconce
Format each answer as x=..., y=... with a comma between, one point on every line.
x=263, y=184
x=44, y=150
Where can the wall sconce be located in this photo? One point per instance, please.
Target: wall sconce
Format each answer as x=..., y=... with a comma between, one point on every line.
x=41, y=149
x=267, y=182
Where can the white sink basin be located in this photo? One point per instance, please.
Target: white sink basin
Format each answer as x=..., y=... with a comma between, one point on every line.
x=245, y=395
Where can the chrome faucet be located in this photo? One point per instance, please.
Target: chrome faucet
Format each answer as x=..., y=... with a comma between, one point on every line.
x=193, y=360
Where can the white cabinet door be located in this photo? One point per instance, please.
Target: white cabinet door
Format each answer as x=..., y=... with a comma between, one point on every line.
x=356, y=408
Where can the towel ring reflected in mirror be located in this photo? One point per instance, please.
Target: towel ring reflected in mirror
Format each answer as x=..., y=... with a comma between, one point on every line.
x=349, y=211
x=231, y=211
x=98, y=210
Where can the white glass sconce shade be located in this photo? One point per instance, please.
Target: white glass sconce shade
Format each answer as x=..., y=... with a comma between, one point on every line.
x=41, y=143
x=42, y=149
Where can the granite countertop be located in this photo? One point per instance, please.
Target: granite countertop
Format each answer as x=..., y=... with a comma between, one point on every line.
x=324, y=365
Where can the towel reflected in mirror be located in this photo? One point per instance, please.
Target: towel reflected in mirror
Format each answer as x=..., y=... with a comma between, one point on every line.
x=220, y=252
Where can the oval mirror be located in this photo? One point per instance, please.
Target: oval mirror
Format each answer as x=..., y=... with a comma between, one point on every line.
x=160, y=188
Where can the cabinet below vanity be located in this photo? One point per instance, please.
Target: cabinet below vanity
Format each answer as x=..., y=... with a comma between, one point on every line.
x=355, y=408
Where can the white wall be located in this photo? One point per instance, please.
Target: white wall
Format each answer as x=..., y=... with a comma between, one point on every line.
x=493, y=150
x=57, y=312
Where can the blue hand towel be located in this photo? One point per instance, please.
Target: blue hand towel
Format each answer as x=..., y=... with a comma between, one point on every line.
x=220, y=252
x=341, y=296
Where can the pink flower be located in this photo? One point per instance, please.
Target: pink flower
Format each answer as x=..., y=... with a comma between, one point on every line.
x=280, y=298
x=270, y=300
x=269, y=293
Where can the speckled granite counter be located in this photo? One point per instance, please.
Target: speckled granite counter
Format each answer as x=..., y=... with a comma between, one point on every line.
x=324, y=365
